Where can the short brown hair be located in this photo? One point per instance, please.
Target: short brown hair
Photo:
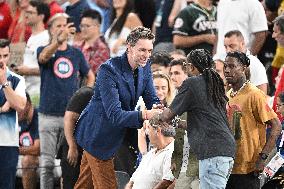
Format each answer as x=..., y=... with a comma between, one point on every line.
x=181, y=62
x=234, y=32
x=4, y=43
x=139, y=33
x=166, y=127
x=279, y=21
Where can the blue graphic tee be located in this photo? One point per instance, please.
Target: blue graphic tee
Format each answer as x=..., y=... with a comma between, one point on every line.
x=60, y=79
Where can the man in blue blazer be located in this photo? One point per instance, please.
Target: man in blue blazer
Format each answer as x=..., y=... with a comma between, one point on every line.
x=102, y=125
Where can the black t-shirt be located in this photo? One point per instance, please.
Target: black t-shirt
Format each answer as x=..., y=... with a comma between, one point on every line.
x=207, y=126
x=77, y=104
x=195, y=20
x=80, y=100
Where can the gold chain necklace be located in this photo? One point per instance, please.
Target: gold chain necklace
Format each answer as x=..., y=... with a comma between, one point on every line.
x=234, y=93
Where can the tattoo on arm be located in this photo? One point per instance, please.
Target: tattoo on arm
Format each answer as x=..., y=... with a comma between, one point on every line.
x=274, y=134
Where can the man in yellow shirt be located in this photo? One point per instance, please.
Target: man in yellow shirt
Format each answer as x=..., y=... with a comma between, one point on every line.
x=248, y=115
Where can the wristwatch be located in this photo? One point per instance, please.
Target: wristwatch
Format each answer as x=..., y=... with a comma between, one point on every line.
x=5, y=85
x=263, y=156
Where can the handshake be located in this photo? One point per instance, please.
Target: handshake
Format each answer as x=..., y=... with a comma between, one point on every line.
x=149, y=114
x=159, y=113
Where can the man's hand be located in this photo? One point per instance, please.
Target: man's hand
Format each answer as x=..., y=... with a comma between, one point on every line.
x=62, y=35
x=20, y=69
x=3, y=70
x=5, y=107
x=259, y=165
x=72, y=155
x=158, y=106
x=211, y=38
x=149, y=114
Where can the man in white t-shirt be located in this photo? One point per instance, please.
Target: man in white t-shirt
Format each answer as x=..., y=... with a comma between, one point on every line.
x=37, y=14
x=247, y=16
x=12, y=100
x=234, y=41
x=154, y=171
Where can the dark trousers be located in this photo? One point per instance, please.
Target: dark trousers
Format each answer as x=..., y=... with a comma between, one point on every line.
x=70, y=174
x=125, y=159
x=8, y=166
x=243, y=181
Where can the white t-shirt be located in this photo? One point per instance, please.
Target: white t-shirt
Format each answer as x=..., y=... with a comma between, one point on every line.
x=30, y=59
x=247, y=16
x=185, y=154
x=257, y=71
x=111, y=40
x=9, y=135
x=154, y=167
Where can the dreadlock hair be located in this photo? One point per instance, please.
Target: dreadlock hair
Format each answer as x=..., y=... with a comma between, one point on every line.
x=242, y=59
x=203, y=61
x=240, y=56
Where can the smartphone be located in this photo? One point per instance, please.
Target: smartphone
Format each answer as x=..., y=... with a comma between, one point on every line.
x=70, y=20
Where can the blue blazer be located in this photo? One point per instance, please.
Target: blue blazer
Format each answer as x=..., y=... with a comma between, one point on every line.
x=102, y=125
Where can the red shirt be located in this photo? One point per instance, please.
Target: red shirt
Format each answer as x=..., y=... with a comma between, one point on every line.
x=95, y=55
x=54, y=8
x=5, y=19
x=18, y=30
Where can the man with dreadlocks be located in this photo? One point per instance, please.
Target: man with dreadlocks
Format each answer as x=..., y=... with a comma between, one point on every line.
x=203, y=98
x=248, y=115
